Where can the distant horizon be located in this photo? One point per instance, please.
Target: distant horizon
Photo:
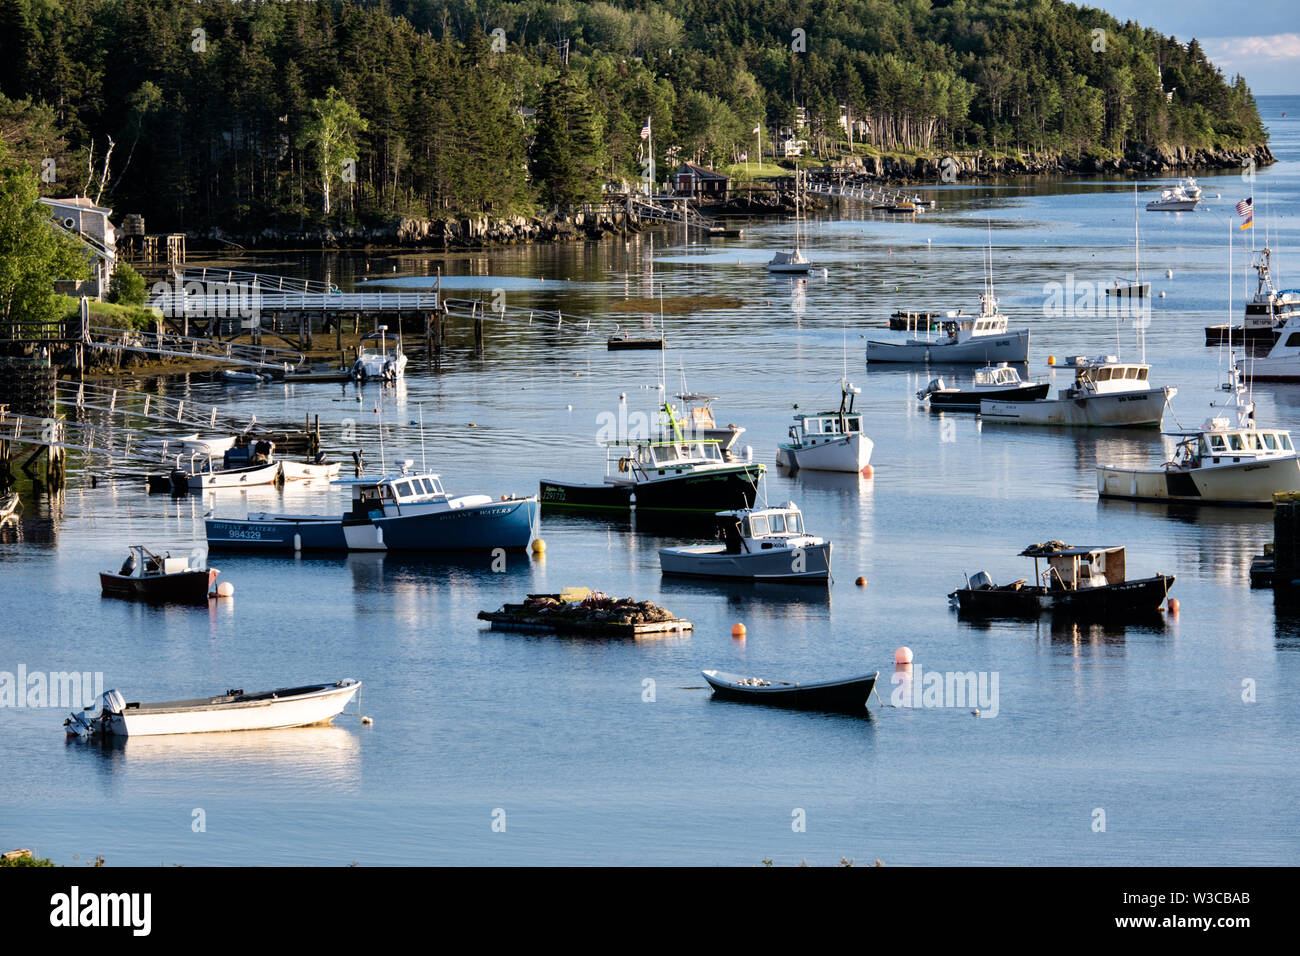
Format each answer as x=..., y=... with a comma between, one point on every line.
x=1268, y=57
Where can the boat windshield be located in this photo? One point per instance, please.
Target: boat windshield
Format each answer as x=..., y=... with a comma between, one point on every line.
x=677, y=453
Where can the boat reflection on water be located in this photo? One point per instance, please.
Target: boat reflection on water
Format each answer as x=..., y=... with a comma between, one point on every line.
x=313, y=757
x=397, y=572
x=836, y=482
x=760, y=600
x=1061, y=630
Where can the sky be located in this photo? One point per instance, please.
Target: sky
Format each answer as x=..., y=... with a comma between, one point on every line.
x=1259, y=39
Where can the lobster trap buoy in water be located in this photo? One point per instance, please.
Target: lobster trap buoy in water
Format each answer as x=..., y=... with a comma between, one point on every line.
x=868, y=471
x=1051, y=360
x=903, y=655
x=539, y=546
x=1172, y=606
x=225, y=589
x=861, y=582
x=738, y=631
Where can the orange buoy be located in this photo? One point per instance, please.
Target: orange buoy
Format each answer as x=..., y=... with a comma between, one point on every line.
x=1172, y=606
x=903, y=655
x=1051, y=360
x=738, y=631
x=868, y=471
x=861, y=582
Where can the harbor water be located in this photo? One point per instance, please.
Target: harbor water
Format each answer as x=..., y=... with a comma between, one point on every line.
x=1172, y=742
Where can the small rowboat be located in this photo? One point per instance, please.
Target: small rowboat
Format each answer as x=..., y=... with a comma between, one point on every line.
x=848, y=695
x=145, y=576
x=251, y=378
x=306, y=470
x=233, y=710
x=624, y=342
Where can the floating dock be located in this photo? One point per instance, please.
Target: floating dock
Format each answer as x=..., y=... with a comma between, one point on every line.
x=578, y=611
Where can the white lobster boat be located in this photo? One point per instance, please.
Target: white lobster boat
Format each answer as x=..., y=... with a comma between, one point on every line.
x=1228, y=460
x=828, y=441
x=982, y=339
x=1282, y=364
x=760, y=544
x=1106, y=393
x=233, y=710
x=1174, y=199
x=380, y=357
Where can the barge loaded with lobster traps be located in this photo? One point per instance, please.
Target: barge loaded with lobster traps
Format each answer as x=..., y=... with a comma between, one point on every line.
x=585, y=612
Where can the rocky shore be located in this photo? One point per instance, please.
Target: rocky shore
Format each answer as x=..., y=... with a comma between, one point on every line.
x=481, y=231
x=930, y=169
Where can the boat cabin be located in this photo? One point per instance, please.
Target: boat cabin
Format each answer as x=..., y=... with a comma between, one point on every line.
x=380, y=345
x=1106, y=375
x=750, y=530
x=376, y=495
x=1001, y=375
x=828, y=426
x=1221, y=444
x=652, y=459
x=1072, y=568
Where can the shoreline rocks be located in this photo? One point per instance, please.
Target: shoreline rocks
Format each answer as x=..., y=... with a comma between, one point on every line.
x=476, y=232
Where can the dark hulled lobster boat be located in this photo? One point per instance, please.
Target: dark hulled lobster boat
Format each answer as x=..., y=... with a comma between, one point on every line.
x=1087, y=582
x=678, y=475
x=145, y=576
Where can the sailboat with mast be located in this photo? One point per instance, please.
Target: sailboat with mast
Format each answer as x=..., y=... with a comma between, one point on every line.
x=793, y=262
x=1137, y=288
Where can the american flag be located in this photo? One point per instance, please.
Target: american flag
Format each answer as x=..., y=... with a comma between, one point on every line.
x=1246, y=210
x=645, y=130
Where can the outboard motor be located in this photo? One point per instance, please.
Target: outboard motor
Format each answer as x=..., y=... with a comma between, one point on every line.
x=180, y=483
x=980, y=581
x=936, y=385
x=358, y=371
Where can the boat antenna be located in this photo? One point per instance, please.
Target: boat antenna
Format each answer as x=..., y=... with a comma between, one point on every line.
x=1139, y=330
x=379, y=410
x=423, y=465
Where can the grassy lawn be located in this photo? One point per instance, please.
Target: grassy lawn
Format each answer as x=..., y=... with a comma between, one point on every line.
x=107, y=314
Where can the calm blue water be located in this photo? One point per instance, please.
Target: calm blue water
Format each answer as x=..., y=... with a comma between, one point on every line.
x=1146, y=723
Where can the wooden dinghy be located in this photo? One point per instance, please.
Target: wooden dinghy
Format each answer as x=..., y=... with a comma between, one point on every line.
x=847, y=695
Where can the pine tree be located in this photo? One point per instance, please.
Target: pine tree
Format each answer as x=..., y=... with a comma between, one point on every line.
x=569, y=151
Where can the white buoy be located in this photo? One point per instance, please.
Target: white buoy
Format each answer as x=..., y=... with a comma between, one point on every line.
x=826, y=273
x=225, y=589
x=568, y=408
x=1169, y=273
x=1162, y=293
x=367, y=720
